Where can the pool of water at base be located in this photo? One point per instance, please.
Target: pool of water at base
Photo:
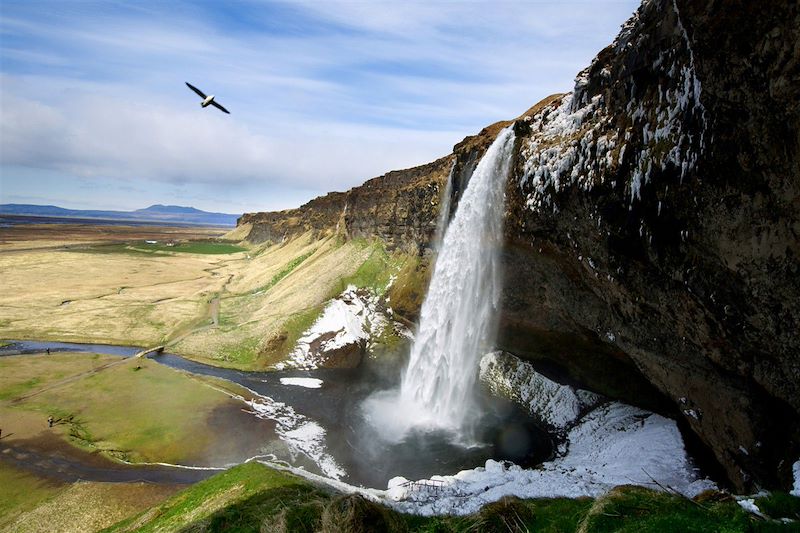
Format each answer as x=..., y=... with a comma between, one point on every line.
x=503, y=431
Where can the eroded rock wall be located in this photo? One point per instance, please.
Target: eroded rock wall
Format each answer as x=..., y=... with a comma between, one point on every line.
x=652, y=226
x=655, y=222
x=399, y=207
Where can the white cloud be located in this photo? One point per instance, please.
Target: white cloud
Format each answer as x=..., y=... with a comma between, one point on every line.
x=348, y=91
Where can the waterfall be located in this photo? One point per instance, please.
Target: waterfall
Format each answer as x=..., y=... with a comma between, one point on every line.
x=457, y=320
x=444, y=211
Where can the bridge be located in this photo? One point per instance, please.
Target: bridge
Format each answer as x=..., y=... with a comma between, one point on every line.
x=148, y=351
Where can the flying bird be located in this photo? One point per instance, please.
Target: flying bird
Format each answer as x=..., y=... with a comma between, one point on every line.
x=207, y=100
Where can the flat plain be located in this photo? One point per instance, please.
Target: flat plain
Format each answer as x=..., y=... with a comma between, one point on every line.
x=211, y=299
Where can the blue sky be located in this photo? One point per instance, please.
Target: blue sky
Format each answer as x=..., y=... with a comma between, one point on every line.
x=323, y=95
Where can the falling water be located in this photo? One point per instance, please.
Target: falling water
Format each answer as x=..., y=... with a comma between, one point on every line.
x=457, y=321
x=444, y=211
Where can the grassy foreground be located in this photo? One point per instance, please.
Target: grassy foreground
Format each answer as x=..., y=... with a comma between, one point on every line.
x=253, y=497
x=81, y=506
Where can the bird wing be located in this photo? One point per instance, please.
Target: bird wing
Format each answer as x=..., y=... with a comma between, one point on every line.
x=215, y=104
x=195, y=89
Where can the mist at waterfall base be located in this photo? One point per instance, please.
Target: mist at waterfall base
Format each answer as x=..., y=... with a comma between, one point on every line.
x=438, y=398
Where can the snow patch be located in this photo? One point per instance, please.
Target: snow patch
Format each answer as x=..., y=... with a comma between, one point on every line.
x=309, y=383
x=553, y=404
x=352, y=318
x=301, y=435
x=615, y=444
x=750, y=506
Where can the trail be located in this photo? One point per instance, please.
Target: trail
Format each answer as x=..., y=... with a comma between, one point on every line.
x=212, y=313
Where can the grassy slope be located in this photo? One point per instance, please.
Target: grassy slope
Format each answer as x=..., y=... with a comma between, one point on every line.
x=111, y=410
x=146, y=295
x=269, y=303
x=87, y=506
x=21, y=492
x=255, y=498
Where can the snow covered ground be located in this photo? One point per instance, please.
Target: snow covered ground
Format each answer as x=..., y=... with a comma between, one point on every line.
x=606, y=445
x=351, y=319
x=615, y=444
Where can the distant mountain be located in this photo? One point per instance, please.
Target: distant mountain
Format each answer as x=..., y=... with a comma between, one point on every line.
x=172, y=209
x=155, y=213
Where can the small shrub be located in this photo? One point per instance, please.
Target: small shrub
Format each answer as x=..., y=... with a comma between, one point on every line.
x=780, y=505
x=352, y=513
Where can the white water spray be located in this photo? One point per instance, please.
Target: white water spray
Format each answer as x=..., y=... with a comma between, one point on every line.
x=444, y=211
x=457, y=321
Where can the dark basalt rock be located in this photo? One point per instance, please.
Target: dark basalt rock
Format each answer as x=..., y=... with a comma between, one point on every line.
x=652, y=226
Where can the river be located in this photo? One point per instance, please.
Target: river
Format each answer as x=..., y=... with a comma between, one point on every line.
x=320, y=427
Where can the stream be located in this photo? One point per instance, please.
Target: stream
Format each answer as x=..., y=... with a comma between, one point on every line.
x=323, y=429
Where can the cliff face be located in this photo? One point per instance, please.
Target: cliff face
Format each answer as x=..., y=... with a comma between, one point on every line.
x=652, y=226
x=399, y=207
x=656, y=214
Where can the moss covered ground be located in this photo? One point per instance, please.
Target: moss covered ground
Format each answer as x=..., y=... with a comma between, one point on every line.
x=253, y=497
x=20, y=492
x=131, y=409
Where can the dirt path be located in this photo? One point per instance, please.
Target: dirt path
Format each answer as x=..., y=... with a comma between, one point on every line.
x=212, y=313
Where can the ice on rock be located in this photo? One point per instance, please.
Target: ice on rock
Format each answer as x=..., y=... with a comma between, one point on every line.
x=573, y=139
x=553, y=404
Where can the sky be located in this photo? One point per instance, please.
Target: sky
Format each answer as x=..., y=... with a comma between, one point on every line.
x=323, y=95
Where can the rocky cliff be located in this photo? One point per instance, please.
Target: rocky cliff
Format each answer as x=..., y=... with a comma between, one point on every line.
x=399, y=207
x=652, y=226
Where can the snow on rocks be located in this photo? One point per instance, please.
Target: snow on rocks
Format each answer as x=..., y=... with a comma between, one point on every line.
x=340, y=335
x=749, y=505
x=615, y=444
x=301, y=435
x=309, y=383
x=555, y=405
x=577, y=141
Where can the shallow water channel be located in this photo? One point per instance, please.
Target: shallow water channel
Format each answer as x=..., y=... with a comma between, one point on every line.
x=318, y=427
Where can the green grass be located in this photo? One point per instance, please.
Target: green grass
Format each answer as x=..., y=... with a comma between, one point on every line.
x=20, y=492
x=241, y=354
x=19, y=389
x=122, y=248
x=194, y=247
x=285, y=271
x=239, y=499
x=138, y=416
x=635, y=509
x=375, y=272
x=161, y=248
x=253, y=497
x=779, y=505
